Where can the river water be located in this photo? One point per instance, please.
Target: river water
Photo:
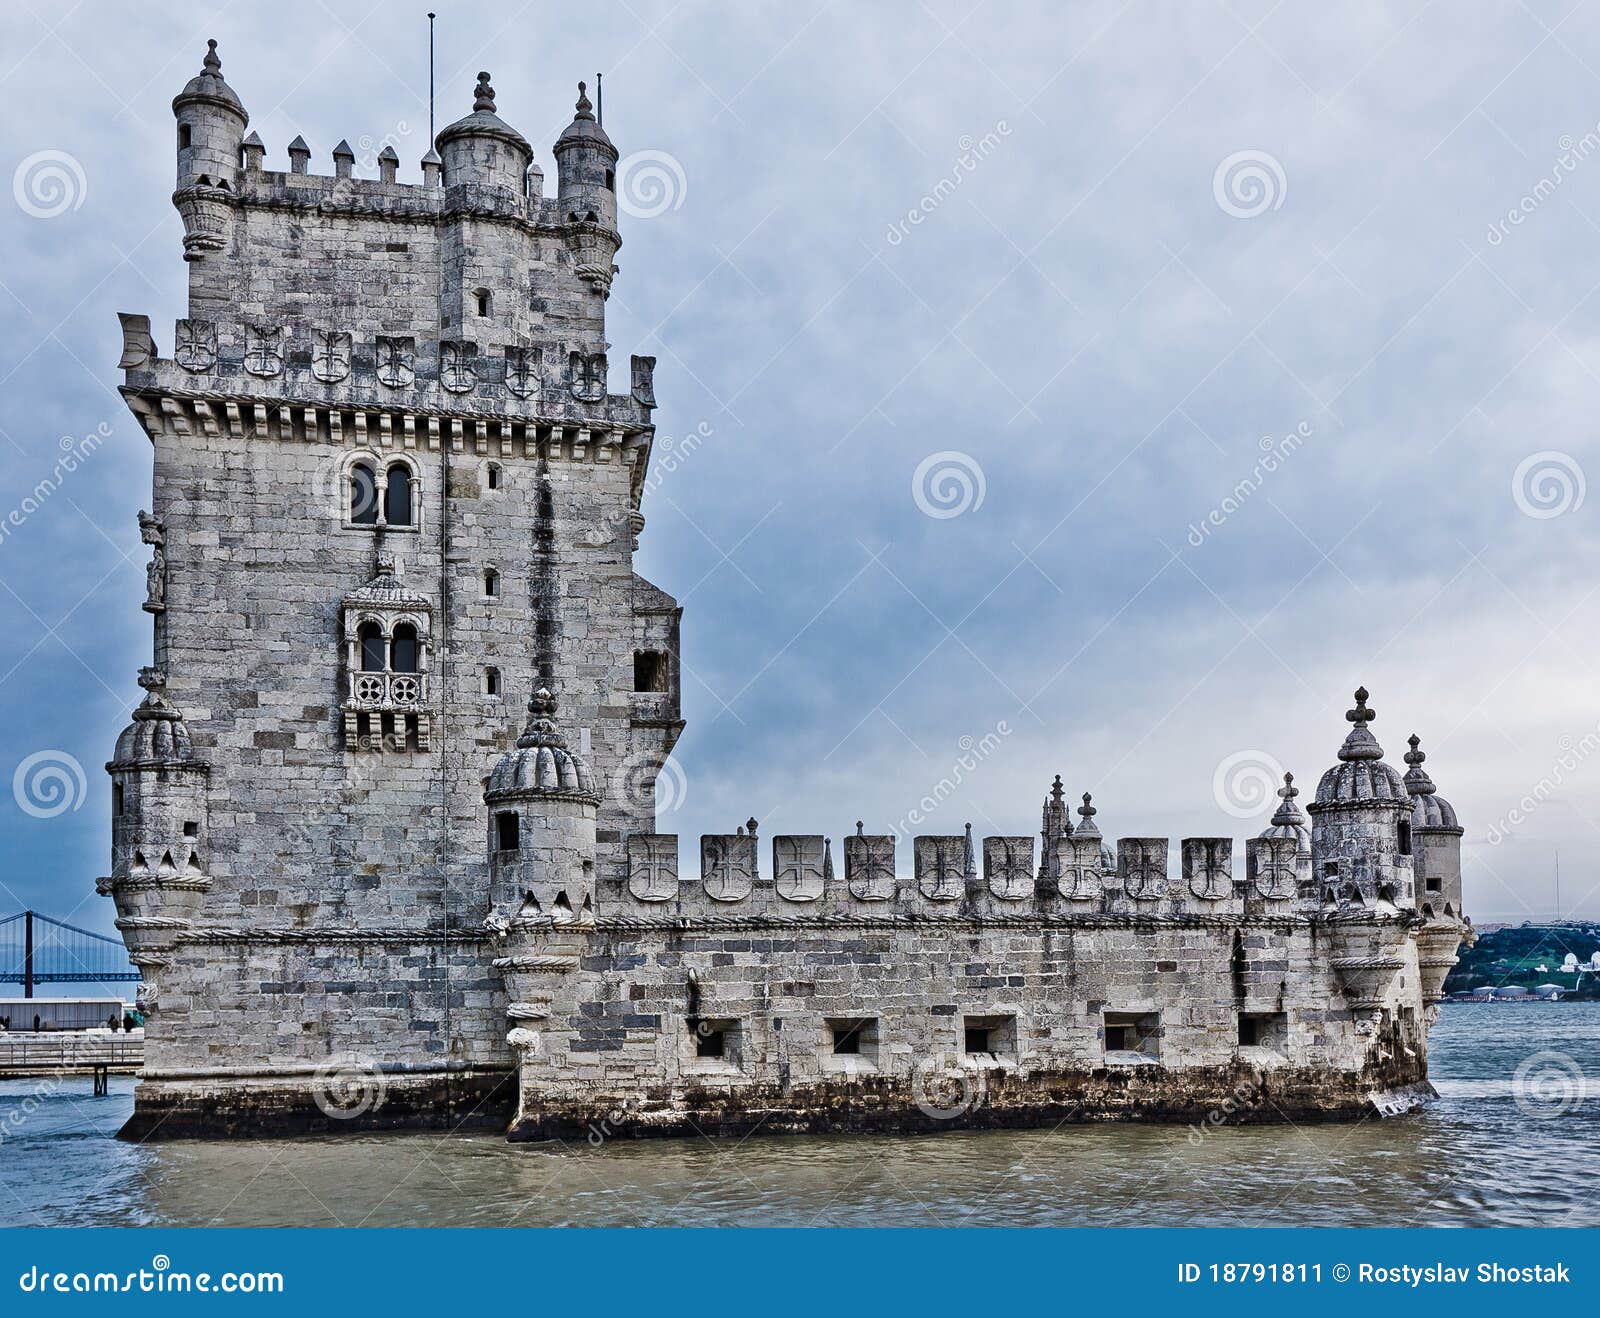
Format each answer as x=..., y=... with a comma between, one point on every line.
x=1495, y=1150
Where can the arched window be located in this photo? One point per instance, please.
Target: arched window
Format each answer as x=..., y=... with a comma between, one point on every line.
x=397, y=496
x=363, y=495
x=493, y=474
x=491, y=681
x=484, y=301
x=491, y=584
x=372, y=648
x=403, y=649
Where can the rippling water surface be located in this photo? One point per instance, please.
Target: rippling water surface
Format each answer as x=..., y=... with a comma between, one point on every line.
x=1494, y=1150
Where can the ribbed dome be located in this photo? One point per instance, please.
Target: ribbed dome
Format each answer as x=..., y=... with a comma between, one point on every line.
x=1428, y=808
x=1288, y=821
x=208, y=86
x=157, y=734
x=1361, y=774
x=584, y=127
x=541, y=765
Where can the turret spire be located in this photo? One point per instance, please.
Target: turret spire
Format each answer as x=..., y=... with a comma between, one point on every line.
x=584, y=109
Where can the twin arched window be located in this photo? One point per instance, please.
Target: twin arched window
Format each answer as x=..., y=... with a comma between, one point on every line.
x=392, y=654
x=391, y=505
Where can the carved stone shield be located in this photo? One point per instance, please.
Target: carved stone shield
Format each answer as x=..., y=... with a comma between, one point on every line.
x=330, y=355
x=1008, y=867
x=1208, y=867
x=644, y=381
x=869, y=866
x=941, y=864
x=588, y=376
x=800, y=866
x=1083, y=871
x=263, y=350
x=196, y=348
x=397, y=361
x=1142, y=862
x=1272, y=867
x=522, y=372
x=458, y=366
x=727, y=866
x=653, y=866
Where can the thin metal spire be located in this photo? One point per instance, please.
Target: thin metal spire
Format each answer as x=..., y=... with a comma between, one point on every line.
x=599, y=100
x=431, y=17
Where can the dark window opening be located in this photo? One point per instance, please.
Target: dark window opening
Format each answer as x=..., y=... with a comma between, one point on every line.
x=491, y=583
x=403, y=652
x=116, y=798
x=649, y=670
x=397, y=496
x=363, y=495
x=977, y=1039
x=185, y=137
x=847, y=1038
x=494, y=476
x=611, y=181
x=372, y=648
x=1263, y=1029
x=483, y=301
x=491, y=681
x=1405, y=837
x=989, y=1035
x=507, y=831
x=191, y=829
x=1133, y=1032
x=1433, y=883
x=1330, y=868
x=709, y=1040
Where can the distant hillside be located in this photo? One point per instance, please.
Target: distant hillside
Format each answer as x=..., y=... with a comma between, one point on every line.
x=1513, y=956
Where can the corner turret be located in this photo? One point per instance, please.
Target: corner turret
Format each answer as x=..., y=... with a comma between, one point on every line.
x=1436, y=835
x=482, y=150
x=159, y=832
x=586, y=193
x=211, y=126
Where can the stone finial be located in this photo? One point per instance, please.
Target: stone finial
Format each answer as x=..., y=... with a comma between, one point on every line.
x=584, y=109
x=254, y=152
x=1086, y=810
x=344, y=159
x=299, y=155
x=388, y=164
x=1057, y=791
x=750, y=826
x=1288, y=813
x=860, y=829
x=150, y=677
x=212, y=62
x=1417, y=781
x=483, y=95
x=541, y=729
x=1360, y=744
x=1361, y=713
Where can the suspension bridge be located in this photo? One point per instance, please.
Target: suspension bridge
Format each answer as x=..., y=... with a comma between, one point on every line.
x=34, y=949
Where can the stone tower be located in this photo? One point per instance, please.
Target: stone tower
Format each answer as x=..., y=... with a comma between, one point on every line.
x=392, y=488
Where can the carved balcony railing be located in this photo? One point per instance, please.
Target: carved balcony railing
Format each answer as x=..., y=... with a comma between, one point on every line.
x=386, y=692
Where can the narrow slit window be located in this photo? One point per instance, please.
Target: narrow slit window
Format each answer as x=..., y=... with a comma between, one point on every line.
x=494, y=475
x=491, y=681
x=363, y=495
x=484, y=301
x=397, y=496
x=507, y=831
x=403, y=652
x=491, y=584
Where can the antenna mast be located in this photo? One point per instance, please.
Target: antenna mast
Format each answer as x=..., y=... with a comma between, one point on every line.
x=431, y=17
x=599, y=100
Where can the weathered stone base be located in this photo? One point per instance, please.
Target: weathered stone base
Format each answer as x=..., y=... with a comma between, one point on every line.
x=993, y=1100
x=224, y=1107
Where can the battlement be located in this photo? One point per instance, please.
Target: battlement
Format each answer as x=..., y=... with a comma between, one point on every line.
x=955, y=877
x=304, y=382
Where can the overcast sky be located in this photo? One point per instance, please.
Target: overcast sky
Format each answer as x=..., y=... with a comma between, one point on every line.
x=1211, y=379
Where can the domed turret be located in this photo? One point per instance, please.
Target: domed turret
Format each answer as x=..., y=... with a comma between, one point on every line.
x=1088, y=830
x=482, y=149
x=541, y=843
x=1361, y=823
x=211, y=127
x=1437, y=837
x=159, y=834
x=586, y=191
